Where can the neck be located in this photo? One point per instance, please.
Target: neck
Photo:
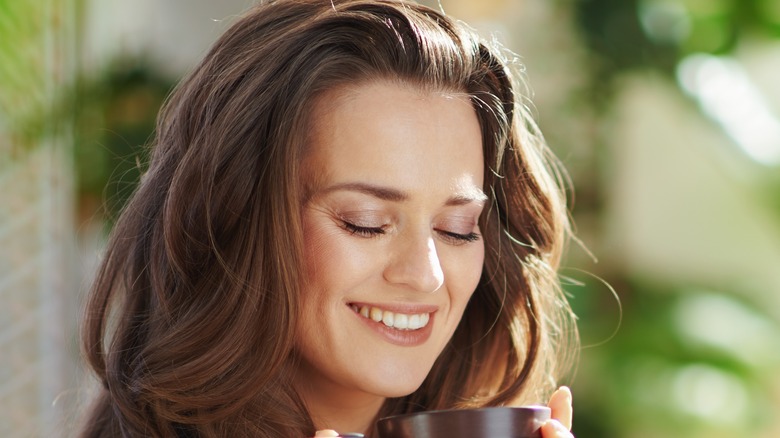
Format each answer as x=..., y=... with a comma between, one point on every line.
x=333, y=407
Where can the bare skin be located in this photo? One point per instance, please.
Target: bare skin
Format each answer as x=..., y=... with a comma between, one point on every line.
x=559, y=425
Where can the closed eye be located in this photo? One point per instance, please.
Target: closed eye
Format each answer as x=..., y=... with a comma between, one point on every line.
x=448, y=236
x=363, y=231
x=457, y=238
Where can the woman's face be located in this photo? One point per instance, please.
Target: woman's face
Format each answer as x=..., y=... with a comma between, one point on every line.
x=393, y=251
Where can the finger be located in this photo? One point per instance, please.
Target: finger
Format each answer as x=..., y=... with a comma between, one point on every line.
x=554, y=429
x=326, y=433
x=560, y=406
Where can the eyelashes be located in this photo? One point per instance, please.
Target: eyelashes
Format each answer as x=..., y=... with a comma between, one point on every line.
x=448, y=236
x=458, y=238
x=363, y=231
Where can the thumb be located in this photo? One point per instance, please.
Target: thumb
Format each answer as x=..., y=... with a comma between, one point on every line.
x=560, y=406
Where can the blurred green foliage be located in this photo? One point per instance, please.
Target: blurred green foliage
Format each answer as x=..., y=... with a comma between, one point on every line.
x=25, y=83
x=116, y=111
x=624, y=35
x=656, y=377
x=661, y=374
x=655, y=34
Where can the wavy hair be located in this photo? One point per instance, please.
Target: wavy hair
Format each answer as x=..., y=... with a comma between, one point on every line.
x=190, y=322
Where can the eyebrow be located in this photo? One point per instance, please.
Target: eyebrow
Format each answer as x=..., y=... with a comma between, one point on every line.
x=395, y=195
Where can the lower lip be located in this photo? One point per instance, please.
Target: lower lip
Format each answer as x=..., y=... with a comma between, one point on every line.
x=404, y=338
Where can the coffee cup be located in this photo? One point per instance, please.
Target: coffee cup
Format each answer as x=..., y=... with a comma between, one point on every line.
x=497, y=422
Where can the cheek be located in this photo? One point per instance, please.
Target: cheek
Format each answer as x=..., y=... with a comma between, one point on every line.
x=320, y=282
x=333, y=262
x=319, y=242
x=465, y=272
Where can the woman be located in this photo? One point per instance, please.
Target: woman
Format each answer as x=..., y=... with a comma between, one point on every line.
x=347, y=215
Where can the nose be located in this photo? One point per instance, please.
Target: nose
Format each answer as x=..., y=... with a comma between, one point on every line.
x=416, y=265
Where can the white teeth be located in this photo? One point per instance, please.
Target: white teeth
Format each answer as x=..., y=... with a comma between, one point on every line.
x=376, y=314
x=398, y=321
x=388, y=318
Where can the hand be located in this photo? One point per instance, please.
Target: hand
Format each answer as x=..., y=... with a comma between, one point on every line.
x=559, y=425
x=333, y=433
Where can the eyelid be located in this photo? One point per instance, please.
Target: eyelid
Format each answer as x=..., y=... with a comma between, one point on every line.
x=458, y=229
x=363, y=218
x=361, y=230
x=458, y=238
x=457, y=224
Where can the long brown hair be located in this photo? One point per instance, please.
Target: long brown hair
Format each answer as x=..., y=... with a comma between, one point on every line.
x=190, y=322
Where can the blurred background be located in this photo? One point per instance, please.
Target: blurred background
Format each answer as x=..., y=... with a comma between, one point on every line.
x=666, y=114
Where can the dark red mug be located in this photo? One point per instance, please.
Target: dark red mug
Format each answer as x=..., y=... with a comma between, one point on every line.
x=502, y=422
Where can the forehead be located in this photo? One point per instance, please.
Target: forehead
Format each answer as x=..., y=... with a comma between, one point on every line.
x=395, y=134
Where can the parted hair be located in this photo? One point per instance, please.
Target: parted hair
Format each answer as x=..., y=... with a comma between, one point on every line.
x=190, y=323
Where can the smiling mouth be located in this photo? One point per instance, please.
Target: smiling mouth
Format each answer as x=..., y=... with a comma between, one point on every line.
x=398, y=321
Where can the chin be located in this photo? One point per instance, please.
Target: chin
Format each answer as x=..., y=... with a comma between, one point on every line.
x=394, y=384
x=396, y=391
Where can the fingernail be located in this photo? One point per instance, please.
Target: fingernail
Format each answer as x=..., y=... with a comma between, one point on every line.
x=567, y=391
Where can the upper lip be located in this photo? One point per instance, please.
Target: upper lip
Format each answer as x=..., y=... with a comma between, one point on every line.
x=407, y=308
